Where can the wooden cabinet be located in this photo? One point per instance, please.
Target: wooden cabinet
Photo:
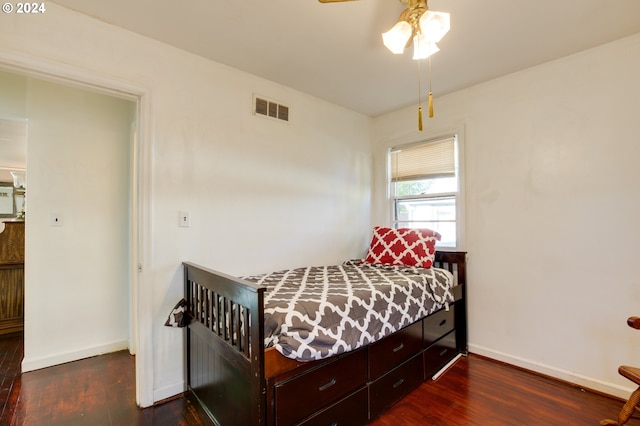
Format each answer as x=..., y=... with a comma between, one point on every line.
x=12, y=277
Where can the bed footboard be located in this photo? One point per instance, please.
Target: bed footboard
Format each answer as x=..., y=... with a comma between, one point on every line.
x=225, y=345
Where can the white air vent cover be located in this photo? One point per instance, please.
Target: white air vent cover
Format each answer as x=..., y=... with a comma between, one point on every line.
x=270, y=109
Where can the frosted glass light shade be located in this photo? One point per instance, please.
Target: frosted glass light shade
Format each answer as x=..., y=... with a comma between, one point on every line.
x=423, y=48
x=396, y=38
x=434, y=25
x=19, y=180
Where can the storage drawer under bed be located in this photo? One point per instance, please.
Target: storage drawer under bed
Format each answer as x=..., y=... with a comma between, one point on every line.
x=439, y=354
x=300, y=396
x=391, y=387
x=350, y=411
x=438, y=324
x=393, y=349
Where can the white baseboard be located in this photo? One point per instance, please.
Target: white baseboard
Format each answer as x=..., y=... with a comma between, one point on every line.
x=30, y=364
x=168, y=391
x=558, y=373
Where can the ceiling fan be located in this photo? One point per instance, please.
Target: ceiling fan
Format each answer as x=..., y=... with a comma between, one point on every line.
x=420, y=26
x=416, y=24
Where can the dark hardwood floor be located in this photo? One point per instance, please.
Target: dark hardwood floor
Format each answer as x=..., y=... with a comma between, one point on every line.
x=483, y=392
x=94, y=391
x=475, y=391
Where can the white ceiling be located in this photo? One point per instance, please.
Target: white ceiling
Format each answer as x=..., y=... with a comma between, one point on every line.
x=334, y=51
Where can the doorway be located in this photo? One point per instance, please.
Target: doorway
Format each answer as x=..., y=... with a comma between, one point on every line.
x=81, y=232
x=13, y=135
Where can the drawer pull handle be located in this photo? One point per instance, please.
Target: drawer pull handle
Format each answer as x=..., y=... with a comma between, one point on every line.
x=327, y=385
x=399, y=348
x=443, y=322
x=444, y=351
x=398, y=383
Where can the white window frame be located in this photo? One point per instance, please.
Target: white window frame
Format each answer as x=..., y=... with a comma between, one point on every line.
x=458, y=195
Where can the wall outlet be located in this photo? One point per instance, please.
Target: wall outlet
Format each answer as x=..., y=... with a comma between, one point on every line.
x=185, y=219
x=56, y=219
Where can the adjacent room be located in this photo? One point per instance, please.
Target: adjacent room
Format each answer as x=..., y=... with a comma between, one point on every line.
x=250, y=137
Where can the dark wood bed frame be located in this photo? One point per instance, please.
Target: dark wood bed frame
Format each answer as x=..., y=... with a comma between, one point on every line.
x=238, y=382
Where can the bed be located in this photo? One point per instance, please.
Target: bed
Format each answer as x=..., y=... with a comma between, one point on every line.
x=242, y=375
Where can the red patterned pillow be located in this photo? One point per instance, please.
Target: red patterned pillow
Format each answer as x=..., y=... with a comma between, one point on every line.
x=403, y=247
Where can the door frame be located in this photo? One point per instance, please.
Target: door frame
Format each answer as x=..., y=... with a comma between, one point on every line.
x=140, y=181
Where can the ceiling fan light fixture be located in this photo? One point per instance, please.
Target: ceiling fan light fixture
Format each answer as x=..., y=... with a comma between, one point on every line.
x=397, y=37
x=423, y=48
x=434, y=25
x=424, y=28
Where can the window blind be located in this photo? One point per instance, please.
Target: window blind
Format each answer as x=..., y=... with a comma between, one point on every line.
x=424, y=161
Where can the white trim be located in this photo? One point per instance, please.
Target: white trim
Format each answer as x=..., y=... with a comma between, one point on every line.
x=169, y=391
x=558, y=373
x=422, y=141
x=55, y=72
x=461, y=242
x=63, y=357
x=133, y=236
x=45, y=69
x=144, y=354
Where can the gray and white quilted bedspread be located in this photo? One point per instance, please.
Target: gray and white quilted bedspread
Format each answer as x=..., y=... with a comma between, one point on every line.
x=317, y=312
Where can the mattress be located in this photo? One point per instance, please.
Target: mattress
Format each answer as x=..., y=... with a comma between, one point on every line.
x=317, y=312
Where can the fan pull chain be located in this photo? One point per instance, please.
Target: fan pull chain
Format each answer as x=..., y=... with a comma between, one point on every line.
x=419, y=99
x=430, y=105
x=430, y=93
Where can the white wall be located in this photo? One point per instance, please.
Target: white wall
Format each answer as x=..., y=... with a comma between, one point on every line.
x=262, y=194
x=552, y=210
x=77, y=276
x=13, y=102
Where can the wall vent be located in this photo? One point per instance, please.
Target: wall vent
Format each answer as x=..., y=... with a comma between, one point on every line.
x=270, y=109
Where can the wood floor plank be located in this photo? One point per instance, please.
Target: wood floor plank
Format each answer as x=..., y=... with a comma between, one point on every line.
x=479, y=391
x=475, y=391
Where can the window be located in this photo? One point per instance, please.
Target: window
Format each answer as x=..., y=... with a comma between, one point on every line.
x=425, y=188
